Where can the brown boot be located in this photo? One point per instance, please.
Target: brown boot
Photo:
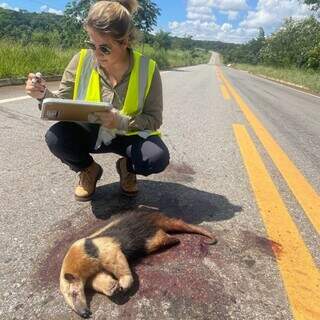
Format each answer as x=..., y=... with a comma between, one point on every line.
x=128, y=180
x=87, y=182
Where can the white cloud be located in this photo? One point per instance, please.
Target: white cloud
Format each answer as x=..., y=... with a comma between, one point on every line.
x=198, y=16
x=212, y=31
x=194, y=28
x=233, y=5
x=5, y=5
x=201, y=23
x=232, y=15
x=270, y=14
x=45, y=8
x=200, y=13
x=226, y=27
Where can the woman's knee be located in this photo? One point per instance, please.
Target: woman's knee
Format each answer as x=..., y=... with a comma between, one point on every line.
x=156, y=163
x=52, y=136
x=160, y=162
x=61, y=136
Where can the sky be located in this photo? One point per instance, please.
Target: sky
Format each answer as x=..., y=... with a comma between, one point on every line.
x=224, y=20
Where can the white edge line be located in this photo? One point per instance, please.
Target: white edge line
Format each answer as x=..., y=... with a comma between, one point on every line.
x=275, y=82
x=17, y=99
x=14, y=99
x=287, y=86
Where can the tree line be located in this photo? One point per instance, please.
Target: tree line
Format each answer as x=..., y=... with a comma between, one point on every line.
x=295, y=44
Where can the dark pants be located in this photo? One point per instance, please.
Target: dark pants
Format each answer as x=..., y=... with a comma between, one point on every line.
x=73, y=143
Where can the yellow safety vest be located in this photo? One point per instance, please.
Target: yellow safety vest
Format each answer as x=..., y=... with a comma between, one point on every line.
x=87, y=85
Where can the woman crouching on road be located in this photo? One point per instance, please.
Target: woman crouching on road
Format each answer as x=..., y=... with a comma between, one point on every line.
x=111, y=71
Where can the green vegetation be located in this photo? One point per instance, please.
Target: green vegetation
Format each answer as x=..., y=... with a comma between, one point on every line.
x=306, y=78
x=291, y=54
x=37, y=28
x=295, y=44
x=315, y=4
x=17, y=60
x=170, y=58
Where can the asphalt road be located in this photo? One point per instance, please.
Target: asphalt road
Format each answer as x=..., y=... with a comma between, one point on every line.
x=265, y=265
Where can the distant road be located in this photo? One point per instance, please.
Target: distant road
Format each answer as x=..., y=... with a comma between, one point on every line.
x=245, y=163
x=215, y=58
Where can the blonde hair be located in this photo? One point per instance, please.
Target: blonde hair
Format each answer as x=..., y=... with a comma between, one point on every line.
x=113, y=18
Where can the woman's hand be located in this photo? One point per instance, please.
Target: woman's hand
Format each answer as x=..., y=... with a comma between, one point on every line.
x=108, y=118
x=35, y=86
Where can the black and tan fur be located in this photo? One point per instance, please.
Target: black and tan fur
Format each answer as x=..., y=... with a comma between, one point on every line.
x=101, y=260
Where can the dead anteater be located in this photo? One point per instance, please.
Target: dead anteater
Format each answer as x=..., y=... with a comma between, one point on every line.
x=101, y=260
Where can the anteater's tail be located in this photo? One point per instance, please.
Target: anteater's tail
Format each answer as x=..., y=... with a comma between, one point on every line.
x=178, y=225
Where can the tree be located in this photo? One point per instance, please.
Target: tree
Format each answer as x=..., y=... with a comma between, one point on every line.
x=315, y=4
x=77, y=10
x=162, y=40
x=261, y=35
x=24, y=26
x=295, y=44
x=145, y=18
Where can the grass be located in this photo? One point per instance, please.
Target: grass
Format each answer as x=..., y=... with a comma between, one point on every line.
x=17, y=60
x=306, y=78
x=167, y=59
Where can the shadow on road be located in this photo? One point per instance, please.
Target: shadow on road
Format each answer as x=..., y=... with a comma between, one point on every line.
x=172, y=199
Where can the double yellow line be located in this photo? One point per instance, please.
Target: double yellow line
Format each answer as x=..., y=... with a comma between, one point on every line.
x=300, y=275
x=223, y=88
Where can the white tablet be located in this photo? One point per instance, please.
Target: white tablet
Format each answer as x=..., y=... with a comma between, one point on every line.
x=72, y=110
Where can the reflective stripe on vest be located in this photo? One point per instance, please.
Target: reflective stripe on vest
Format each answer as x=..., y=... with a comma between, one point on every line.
x=87, y=85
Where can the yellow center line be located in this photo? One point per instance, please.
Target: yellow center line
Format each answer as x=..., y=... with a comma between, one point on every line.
x=225, y=92
x=300, y=187
x=218, y=74
x=300, y=275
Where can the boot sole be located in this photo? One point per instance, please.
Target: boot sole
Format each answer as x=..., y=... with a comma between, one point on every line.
x=122, y=191
x=88, y=198
x=129, y=194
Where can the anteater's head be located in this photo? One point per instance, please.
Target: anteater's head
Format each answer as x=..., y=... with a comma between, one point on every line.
x=77, y=267
x=72, y=288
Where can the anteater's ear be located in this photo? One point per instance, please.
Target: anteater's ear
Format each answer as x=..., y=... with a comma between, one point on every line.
x=70, y=277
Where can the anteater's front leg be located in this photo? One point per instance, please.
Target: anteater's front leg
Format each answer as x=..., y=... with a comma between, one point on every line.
x=104, y=283
x=119, y=267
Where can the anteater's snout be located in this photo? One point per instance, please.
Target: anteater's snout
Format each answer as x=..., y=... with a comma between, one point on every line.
x=85, y=313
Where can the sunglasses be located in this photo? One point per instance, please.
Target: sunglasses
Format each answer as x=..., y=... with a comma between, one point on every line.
x=105, y=49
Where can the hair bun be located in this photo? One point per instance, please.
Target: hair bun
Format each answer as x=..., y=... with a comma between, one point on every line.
x=130, y=5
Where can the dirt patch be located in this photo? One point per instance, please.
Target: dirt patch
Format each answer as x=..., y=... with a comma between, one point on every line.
x=179, y=172
x=264, y=245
